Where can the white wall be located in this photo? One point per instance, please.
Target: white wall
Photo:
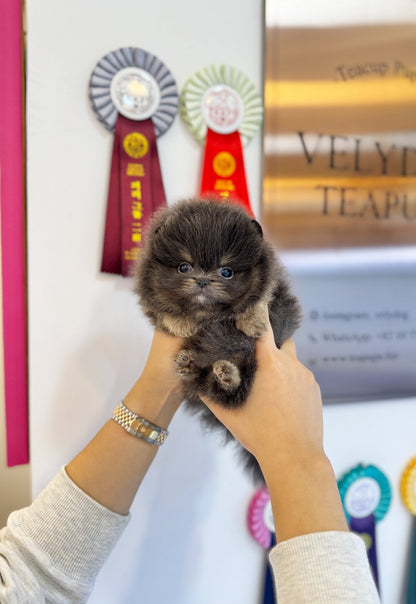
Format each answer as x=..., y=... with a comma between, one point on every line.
x=187, y=541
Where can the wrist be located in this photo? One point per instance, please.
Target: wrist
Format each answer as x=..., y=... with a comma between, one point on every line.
x=280, y=469
x=156, y=403
x=305, y=498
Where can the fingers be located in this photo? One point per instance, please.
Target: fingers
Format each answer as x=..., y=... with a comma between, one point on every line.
x=266, y=345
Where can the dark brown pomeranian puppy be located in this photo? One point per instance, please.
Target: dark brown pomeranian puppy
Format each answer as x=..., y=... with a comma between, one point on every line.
x=206, y=274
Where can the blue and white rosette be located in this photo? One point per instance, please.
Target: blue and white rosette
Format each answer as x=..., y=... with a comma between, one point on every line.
x=366, y=496
x=134, y=94
x=135, y=83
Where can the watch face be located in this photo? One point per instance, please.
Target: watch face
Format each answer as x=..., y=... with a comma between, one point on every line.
x=135, y=93
x=138, y=426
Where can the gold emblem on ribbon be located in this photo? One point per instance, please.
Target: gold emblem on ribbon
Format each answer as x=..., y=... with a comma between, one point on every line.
x=224, y=164
x=367, y=540
x=135, y=145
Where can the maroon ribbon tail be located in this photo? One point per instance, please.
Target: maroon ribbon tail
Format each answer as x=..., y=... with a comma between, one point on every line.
x=135, y=192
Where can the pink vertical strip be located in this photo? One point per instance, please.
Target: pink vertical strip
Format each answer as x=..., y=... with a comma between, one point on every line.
x=13, y=232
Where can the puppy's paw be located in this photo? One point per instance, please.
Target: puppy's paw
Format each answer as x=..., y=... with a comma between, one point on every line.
x=185, y=363
x=226, y=374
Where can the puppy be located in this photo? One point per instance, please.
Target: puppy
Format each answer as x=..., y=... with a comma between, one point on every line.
x=207, y=274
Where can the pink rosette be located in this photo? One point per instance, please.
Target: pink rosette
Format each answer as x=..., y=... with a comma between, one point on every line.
x=256, y=518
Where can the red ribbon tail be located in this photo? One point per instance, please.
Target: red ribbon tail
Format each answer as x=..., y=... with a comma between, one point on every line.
x=223, y=174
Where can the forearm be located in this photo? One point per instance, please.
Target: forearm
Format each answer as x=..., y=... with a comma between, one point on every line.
x=112, y=466
x=304, y=497
x=317, y=558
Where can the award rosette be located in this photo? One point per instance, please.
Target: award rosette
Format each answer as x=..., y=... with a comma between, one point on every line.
x=133, y=94
x=408, y=493
x=261, y=526
x=221, y=107
x=408, y=486
x=366, y=495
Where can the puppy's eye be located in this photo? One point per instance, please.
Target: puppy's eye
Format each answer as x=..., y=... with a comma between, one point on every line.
x=226, y=272
x=184, y=267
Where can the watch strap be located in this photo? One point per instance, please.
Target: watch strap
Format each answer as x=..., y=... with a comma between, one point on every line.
x=139, y=426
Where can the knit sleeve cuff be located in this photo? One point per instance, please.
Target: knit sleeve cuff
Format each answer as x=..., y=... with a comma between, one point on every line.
x=329, y=567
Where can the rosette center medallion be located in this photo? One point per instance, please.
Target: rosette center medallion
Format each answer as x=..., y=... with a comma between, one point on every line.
x=222, y=109
x=135, y=93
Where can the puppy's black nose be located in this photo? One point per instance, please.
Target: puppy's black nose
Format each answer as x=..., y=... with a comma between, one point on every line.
x=202, y=283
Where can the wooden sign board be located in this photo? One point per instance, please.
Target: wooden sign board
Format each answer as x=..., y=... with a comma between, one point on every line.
x=340, y=148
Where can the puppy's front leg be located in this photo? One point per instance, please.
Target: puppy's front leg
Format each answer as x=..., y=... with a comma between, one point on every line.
x=253, y=322
x=178, y=326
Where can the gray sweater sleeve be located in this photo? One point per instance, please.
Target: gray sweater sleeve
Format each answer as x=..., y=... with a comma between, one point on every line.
x=52, y=550
x=323, y=568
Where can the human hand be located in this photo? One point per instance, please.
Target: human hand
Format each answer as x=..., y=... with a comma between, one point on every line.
x=113, y=464
x=158, y=391
x=282, y=417
x=281, y=424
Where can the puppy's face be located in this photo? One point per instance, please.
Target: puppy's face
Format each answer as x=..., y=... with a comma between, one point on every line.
x=206, y=255
x=210, y=285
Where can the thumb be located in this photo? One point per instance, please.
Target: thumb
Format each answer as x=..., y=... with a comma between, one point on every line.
x=265, y=345
x=289, y=347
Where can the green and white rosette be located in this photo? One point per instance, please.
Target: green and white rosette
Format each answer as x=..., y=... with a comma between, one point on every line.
x=223, y=110
x=366, y=496
x=241, y=110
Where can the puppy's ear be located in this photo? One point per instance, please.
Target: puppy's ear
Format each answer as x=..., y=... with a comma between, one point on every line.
x=159, y=219
x=258, y=227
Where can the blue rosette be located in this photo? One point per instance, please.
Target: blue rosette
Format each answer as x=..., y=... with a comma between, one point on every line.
x=366, y=496
x=372, y=494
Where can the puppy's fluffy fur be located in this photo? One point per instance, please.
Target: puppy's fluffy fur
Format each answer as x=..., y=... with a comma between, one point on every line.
x=206, y=274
